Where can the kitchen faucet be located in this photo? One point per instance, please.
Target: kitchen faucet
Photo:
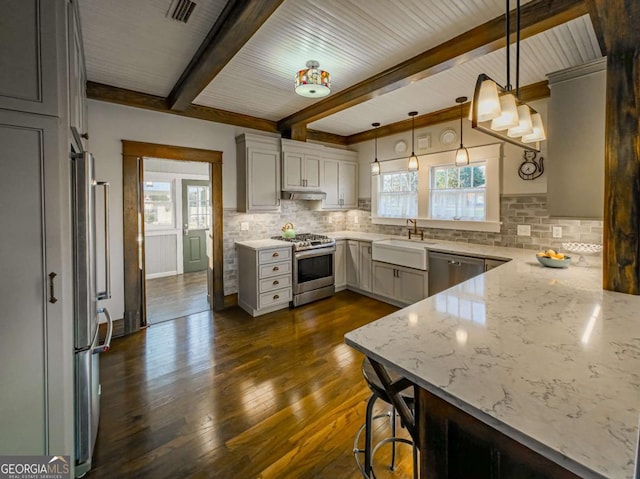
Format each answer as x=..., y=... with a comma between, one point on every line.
x=415, y=228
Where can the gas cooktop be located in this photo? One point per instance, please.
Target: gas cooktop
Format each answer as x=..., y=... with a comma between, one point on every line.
x=308, y=241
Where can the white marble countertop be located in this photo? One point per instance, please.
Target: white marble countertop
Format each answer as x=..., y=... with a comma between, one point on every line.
x=263, y=244
x=543, y=355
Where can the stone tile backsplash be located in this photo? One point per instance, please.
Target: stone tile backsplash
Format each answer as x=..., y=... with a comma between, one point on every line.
x=514, y=210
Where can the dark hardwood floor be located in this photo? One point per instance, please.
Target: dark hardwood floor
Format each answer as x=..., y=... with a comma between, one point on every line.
x=176, y=296
x=229, y=396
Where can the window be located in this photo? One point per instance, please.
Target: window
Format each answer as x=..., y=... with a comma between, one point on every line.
x=198, y=207
x=158, y=203
x=398, y=194
x=440, y=195
x=458, y=193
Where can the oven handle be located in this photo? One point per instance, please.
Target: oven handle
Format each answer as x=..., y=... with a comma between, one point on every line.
x=310, y=253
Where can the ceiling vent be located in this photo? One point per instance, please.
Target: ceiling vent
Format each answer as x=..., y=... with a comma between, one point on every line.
x=180, y=10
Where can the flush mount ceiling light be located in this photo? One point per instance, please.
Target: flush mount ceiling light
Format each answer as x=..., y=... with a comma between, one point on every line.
x=313, y=82
x=413, y=164
x=375, y=166
x=462, y=154
x=495, y=109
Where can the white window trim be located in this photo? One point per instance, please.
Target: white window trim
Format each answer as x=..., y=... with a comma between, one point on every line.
x=491, y=154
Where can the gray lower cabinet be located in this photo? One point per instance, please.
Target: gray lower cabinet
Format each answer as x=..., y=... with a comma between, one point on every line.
x=264, y=279
x=358, y=259
x=399, y=284
x=340, y=265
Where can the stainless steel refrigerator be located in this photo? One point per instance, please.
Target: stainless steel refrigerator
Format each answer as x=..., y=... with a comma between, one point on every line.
x=87, y=348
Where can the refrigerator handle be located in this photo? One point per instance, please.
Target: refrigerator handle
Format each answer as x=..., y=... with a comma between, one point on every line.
x=106, y=294
x=103, y=348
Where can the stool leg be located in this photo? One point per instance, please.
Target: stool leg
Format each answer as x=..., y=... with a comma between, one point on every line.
x=415, y=461
x=392, y=466
x=367, y=434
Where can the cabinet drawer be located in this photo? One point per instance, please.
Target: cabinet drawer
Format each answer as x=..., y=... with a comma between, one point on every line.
x=275, y=269
x=274, y=255
x=277, y=282
x=275, y=297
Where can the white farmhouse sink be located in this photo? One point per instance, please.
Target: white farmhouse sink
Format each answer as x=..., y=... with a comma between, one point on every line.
x=400, y=252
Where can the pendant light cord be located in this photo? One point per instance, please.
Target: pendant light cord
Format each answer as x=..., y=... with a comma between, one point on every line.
x=461, y=142
x=518, y=49
x=507, y=32
x=413, y=123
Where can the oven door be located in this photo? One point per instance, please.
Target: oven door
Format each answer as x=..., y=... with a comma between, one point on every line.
x=313, y=269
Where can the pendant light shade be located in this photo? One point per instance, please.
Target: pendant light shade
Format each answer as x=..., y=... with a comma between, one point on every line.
x=313, y=82
x=462, y=154
x=509, y=114
x=525, y=127
x=413, y=164
x=538, y=130
x=375, y=166
x=488, y=101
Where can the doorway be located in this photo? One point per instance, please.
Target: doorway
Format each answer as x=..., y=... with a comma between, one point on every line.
x=135, y=155
x=177, y=221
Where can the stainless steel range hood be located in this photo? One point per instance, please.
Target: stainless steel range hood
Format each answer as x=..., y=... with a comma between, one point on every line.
x=303, y=195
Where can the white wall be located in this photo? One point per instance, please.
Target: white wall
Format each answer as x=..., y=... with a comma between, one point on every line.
x=511, y=182
x=109, y=124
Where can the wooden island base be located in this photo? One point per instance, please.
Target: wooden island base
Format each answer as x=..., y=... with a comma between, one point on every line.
x=454, y=444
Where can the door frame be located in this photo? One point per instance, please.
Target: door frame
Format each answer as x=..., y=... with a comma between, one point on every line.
x=133, y=153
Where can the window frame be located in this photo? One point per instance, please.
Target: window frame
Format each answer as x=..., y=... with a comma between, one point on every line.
x=162, y=227
x=492, y=154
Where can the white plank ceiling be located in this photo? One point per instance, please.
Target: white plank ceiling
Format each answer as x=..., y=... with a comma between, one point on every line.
x=131, y=44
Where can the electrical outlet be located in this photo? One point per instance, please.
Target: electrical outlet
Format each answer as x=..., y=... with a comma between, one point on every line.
x=557, y=231
x=244, y=226
x=329, y=219
x=524, y=230
x=355, y=219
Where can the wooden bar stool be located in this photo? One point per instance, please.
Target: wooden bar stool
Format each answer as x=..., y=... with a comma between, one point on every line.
x=378, y=392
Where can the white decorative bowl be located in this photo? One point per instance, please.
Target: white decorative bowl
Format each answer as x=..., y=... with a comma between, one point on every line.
x=554, y=263
x=582, y=249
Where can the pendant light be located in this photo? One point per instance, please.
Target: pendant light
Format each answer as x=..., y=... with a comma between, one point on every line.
x=497, y=111
x=462, y=154
x=375, y=166
x=312, y=82
x=413, y=164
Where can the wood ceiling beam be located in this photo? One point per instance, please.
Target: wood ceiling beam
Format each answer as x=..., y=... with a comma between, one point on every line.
x=323, y=136
x=535, y=91
x=237, y=23
x=536, y=16
x=121, y=96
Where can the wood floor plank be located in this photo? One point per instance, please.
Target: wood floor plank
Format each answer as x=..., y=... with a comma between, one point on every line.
x=228, y=396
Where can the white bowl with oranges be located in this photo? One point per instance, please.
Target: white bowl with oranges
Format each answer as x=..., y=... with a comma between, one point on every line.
x=552, y=259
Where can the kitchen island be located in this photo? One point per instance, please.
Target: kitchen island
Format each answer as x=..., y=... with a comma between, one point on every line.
x=542, y=358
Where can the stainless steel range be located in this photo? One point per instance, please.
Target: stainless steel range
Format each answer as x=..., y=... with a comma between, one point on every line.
x=313, y=267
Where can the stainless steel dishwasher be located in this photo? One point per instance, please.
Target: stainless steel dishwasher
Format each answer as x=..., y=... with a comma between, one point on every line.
x=447, y=270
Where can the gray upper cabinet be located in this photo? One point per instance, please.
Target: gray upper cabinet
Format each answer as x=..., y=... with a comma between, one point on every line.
x=258, y=166
x=575, y=149
x=29, y=64
x=339, y=179
x=300, y=165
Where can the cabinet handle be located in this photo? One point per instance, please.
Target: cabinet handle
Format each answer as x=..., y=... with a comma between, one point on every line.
x=455, y=263
x=276, y=282
x=85, y=136
x=369, y=249
x=276, y=268
x=52, y=292
x=276, y=254
x=276, y=296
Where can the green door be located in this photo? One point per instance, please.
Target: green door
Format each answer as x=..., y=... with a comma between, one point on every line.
x=195, y=224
